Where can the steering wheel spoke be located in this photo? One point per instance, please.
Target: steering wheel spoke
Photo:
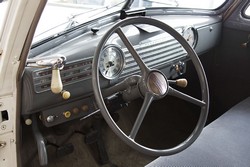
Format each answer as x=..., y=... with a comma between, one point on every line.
x=185, y=97
x=121, y=86
x=133, y=52
x=146, y=103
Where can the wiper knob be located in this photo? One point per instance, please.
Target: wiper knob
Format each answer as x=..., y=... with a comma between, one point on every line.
x=95, y=30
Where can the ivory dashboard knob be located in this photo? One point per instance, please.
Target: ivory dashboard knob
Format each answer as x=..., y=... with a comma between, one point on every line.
x=65, y=95
x=28, y=121
x=67, y=114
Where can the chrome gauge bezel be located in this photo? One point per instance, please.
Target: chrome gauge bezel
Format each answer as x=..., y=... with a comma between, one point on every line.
x=118, y=67
x=193, y=36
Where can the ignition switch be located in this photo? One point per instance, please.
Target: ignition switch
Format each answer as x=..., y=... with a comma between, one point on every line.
x=179, y=68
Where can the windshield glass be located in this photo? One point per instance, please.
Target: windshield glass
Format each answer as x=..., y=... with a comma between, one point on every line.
x=197, y=4
x=61, y=15
x=3, y=10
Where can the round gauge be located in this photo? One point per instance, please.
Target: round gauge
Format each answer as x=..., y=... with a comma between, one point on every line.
x=111, y=62
x=190, y=35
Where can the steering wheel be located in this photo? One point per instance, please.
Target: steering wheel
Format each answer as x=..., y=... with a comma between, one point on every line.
x=152, y=84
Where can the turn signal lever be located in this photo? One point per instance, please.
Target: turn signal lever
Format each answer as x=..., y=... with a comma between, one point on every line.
x=57, y=63
x=179, y=82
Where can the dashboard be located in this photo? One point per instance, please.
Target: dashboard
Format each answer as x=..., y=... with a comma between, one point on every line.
x=116, y=63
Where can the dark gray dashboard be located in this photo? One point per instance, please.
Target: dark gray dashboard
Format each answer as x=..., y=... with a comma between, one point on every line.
x=156, y=52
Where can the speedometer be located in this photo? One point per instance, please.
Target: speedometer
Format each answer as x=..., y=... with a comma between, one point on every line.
x=190, y=35
x=111, y=62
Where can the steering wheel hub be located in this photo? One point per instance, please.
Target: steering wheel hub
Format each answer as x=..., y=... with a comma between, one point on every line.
x=157, y=83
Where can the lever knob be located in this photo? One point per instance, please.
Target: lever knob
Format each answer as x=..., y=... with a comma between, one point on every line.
x=56, y=82
x=181, y=82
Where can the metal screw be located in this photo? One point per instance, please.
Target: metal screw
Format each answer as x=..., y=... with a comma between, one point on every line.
x=2, y=144
x=3, y=127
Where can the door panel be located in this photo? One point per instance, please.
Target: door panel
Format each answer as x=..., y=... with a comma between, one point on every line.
x=231, y=79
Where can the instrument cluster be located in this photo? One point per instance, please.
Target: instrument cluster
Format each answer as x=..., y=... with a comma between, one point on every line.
x=191, y=35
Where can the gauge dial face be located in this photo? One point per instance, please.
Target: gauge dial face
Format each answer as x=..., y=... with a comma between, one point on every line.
x=111, y=62
x=190, y=36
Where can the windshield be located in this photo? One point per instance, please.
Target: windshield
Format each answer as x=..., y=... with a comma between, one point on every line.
x=197, y=4
x=61, y=15
x=3, y=9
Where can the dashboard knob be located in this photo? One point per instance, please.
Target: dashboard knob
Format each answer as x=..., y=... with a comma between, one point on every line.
x=85, y=108
x=65, y=94
x=50, y=118
x=67, y=114
x=75, y=110
x=28, y=121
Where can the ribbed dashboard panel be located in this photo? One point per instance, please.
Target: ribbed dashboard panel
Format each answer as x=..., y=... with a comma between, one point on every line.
x=154, y=54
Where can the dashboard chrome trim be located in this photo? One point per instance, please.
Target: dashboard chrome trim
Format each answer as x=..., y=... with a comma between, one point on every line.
x=73, y=72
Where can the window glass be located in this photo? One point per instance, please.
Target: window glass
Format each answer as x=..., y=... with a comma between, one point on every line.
x=198, y=4
x=62, y=15
x=3, y=10
x=247, y=11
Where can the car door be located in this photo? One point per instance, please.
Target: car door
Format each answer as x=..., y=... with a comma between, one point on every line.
x=230, y=83
x=14, y=40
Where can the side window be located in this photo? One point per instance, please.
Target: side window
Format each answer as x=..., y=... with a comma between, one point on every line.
x=247, y=11
x=3, y=11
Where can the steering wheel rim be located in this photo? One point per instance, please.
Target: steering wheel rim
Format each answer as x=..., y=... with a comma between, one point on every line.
x=204, y=103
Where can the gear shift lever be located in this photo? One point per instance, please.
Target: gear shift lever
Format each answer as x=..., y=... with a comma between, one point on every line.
x=56, y=81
